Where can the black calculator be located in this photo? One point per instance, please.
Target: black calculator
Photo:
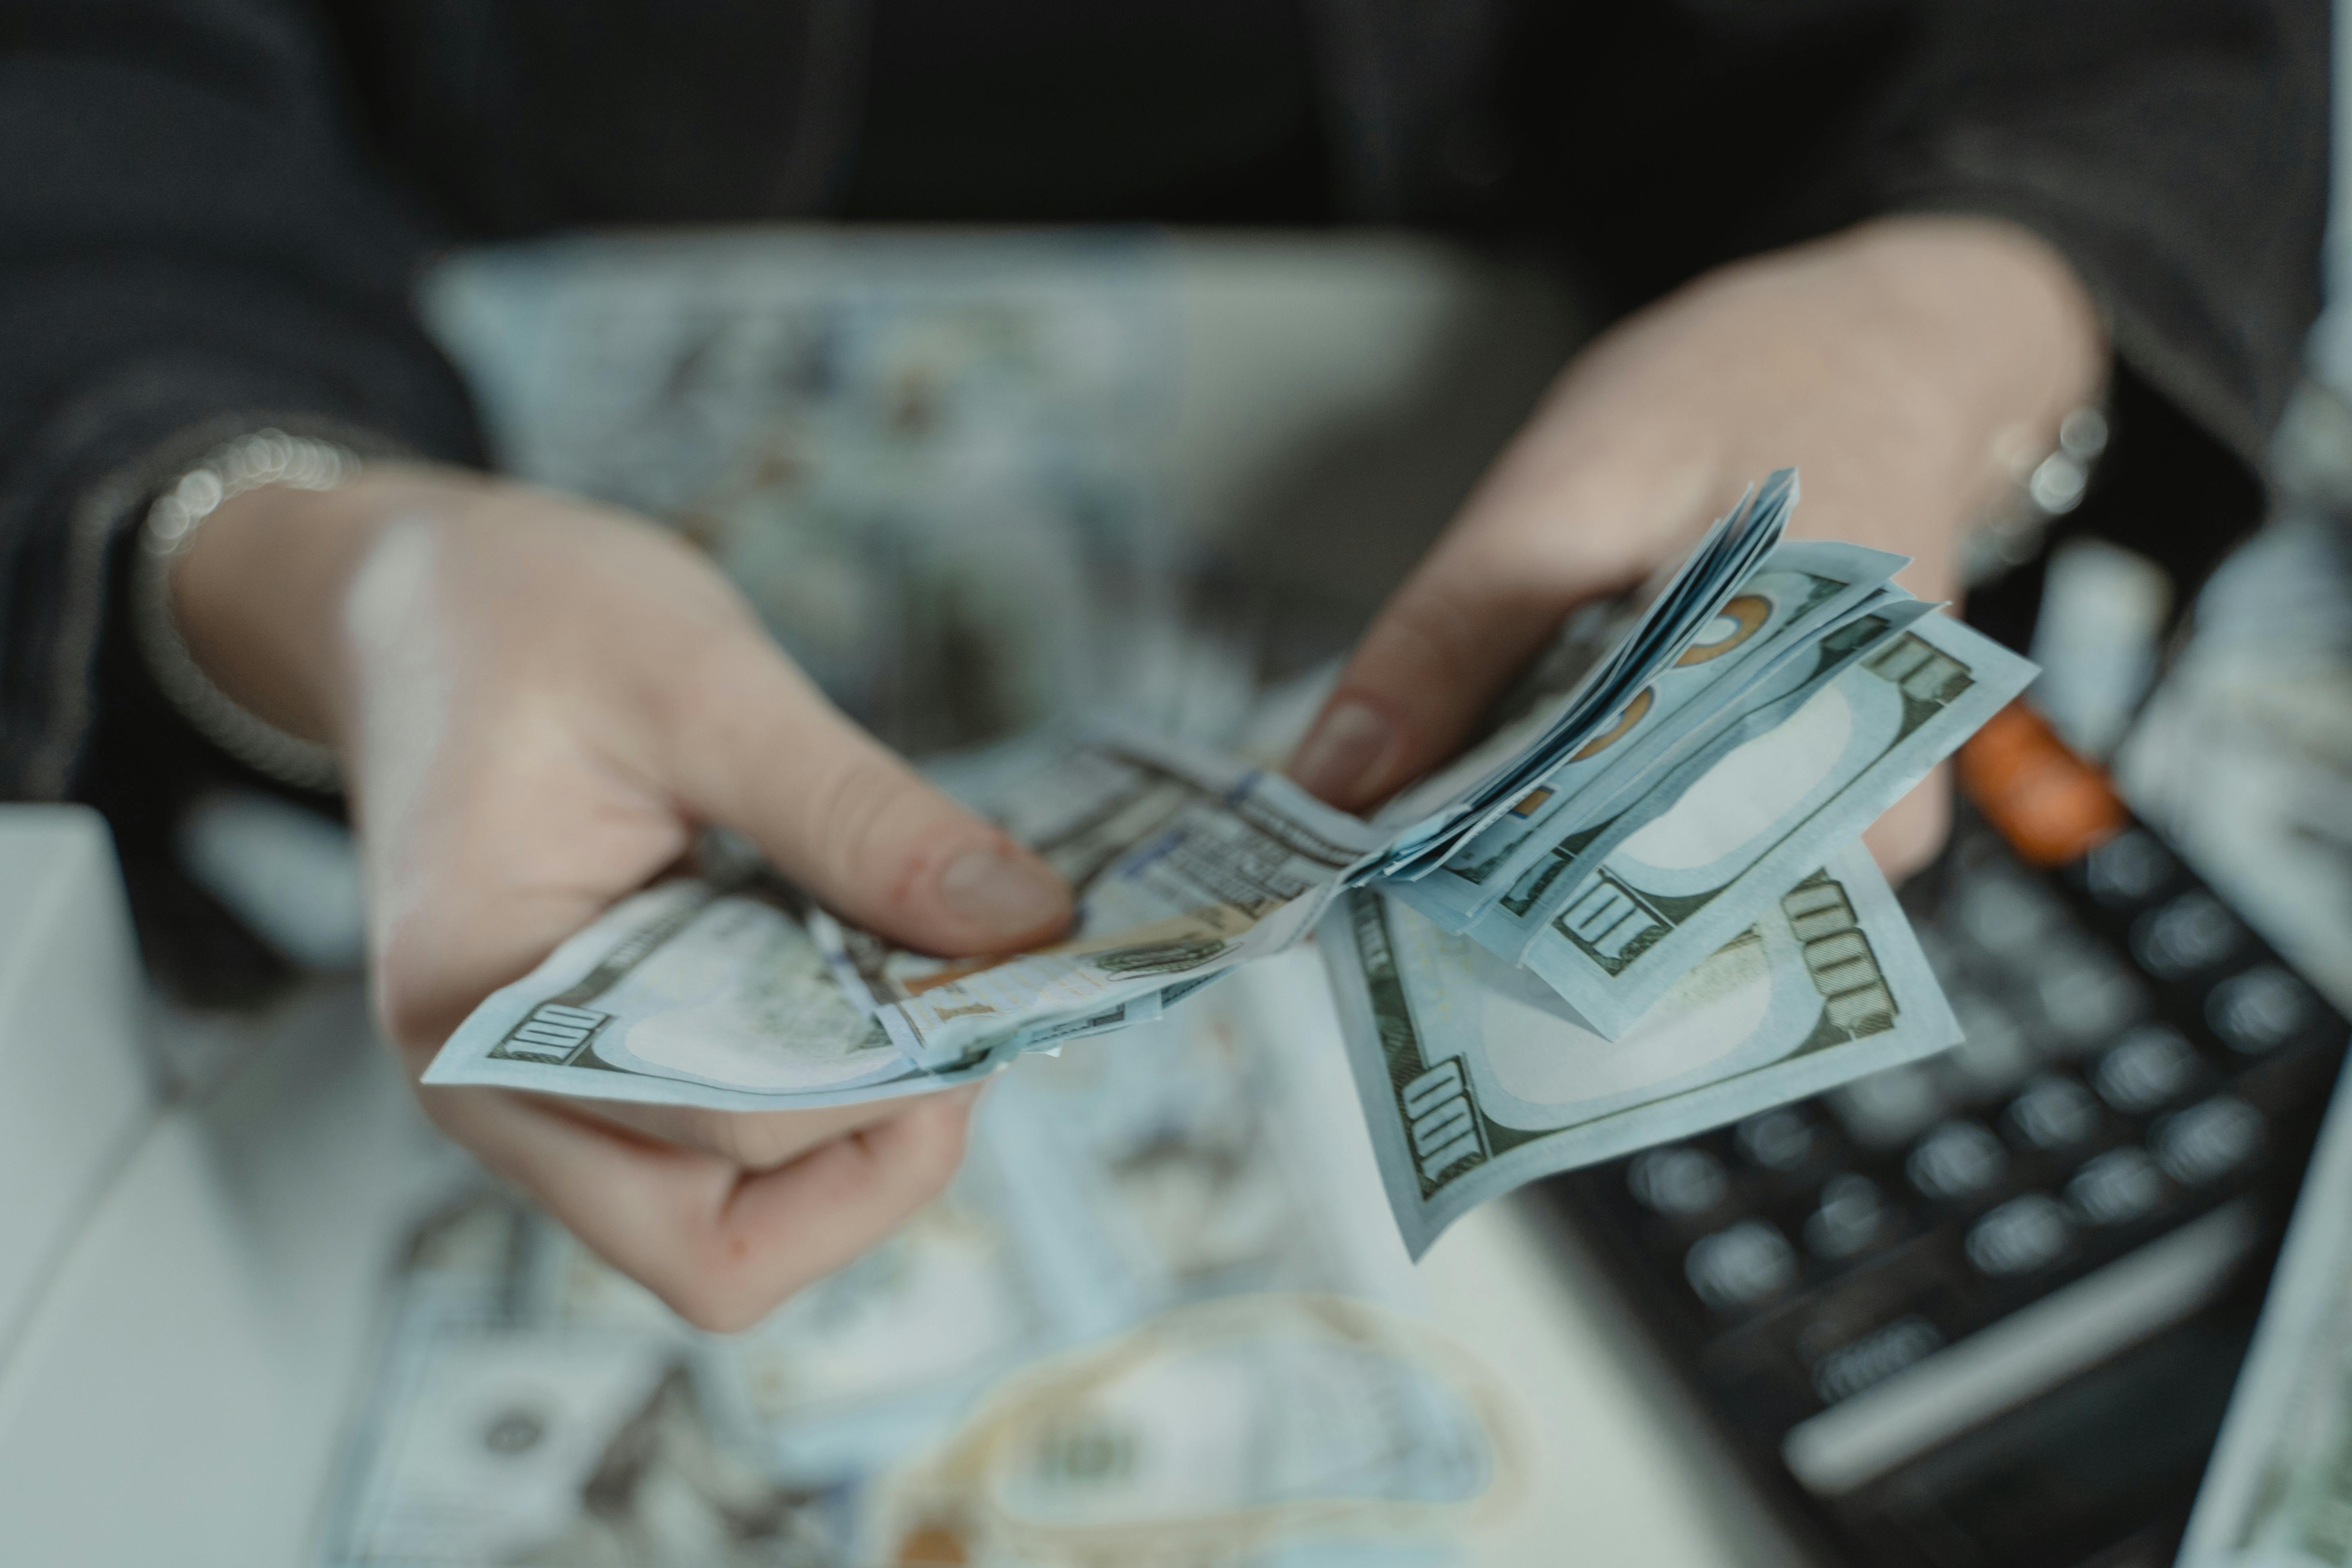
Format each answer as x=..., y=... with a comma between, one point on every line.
x=1987, y=1309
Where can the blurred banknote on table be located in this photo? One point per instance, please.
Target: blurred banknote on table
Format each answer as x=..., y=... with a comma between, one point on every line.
x=1223, y=1432
x=927, y=462
x=2243, y=756
x=1660, y=821
x=2278, y=1490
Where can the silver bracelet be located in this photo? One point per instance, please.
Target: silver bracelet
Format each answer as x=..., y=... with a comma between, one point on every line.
x=269, y=457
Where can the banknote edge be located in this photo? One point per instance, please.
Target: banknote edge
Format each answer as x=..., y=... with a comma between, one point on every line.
x=2317, y=1251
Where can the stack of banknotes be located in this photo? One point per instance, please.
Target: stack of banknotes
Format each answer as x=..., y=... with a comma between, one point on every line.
x=1635, y=909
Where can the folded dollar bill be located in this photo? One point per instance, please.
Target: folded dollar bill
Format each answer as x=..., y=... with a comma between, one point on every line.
x=1587, y=682
x=1475, y=1078
x=1679, y=782
x=1619, y=901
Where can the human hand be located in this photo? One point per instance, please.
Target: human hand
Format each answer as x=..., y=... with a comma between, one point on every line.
x=1902, y=366
x=537, y=701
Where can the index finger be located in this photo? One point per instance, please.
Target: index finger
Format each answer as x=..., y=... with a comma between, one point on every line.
x=721, y=1246
x=1445, y=646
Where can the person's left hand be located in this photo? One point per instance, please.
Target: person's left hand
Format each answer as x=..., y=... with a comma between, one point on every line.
x=1897, y=366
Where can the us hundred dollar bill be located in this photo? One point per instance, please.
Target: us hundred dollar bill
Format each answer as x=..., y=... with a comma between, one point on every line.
x=2278, y=1490
x=740, y=996
x=1639, y=900
x=689, y=994
x=1603, y=656
x=1183, y=865
x=1476, y=1079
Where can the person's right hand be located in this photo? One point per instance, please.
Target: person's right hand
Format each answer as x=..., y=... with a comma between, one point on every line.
x=1898, y=365
x=537, y=701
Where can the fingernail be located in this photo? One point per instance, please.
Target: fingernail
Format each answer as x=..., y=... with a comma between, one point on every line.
x=1010, y=893
x=1344, y=752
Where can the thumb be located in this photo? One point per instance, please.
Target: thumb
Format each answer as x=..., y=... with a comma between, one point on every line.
x=753, y=745
x=1436, y=657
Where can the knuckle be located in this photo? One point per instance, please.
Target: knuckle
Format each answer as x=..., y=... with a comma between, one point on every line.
x=447, y=1110
x=407, y=1011
x=915, y=1158
x=735, y=1281
x=729, y=1283
x=720, y=1281
x=750, y=1142
x=401, y=1020
x=932, y=1176
x=939, y=1149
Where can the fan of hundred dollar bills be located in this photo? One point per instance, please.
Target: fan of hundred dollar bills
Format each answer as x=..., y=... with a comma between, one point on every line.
x=1636, y=909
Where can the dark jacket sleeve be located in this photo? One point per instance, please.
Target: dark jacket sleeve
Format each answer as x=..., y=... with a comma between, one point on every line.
x=2175, y=150
x=191, y=246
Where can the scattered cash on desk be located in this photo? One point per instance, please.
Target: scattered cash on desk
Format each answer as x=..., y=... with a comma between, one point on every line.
x=1156, y=1318
x=2278, y=1492
x=929, y=462
x=1654, y=839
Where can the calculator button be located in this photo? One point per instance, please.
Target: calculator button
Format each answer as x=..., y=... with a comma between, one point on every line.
x=2187, y=936
x=2148, y=1066
x=2009, y=916
x=2127, y=867
x=2260, y=1010
x=1944, y=960
x=1678, y=1182
x=1958, y=1160
x=1779, y=1140
x=1888, y=1108
x=2118, y=1187
x=1741, y=1265
x=2054, y=1114
x=2089, y=997
x=1993, y=1054
x=2208, y=1141
x=1851, y=1217
x=1875, y=1357
x=2019, y=1237
x=1982, y=1019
